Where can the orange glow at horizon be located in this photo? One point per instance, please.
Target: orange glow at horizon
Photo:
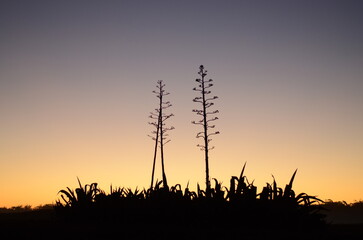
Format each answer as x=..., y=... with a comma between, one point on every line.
x=127, y=163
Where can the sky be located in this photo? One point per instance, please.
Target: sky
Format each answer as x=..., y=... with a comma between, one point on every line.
x=76, y=82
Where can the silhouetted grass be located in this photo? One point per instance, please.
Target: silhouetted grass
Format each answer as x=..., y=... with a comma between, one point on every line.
x=234, y=211
x=238, y=211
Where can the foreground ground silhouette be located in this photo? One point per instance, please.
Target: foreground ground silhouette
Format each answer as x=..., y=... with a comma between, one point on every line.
x=45, y=224
x=237, y=212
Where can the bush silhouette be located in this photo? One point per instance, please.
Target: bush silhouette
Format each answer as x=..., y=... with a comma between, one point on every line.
x=236, y=208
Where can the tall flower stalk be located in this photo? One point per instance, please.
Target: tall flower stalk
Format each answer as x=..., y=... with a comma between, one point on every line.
x=160, y=133
x=206, y=118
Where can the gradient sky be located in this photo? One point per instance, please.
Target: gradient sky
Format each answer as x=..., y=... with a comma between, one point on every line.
x=76, y=82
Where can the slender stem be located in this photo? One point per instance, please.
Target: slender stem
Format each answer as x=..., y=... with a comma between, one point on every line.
x=160, y=130
x=161, y=136
x=155, y=152
x=205, y=136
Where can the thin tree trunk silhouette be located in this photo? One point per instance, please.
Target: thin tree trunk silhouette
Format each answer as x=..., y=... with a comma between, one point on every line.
x=205, y=121
x=160, y=133
x=155, y=153
x=205, y=126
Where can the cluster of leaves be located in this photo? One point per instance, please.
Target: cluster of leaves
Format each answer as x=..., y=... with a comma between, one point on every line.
x=233, y=207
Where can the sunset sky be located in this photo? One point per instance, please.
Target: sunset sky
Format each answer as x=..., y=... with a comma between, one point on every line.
x=76, y=82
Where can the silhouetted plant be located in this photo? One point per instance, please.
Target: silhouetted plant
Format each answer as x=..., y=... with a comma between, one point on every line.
x=243, y=191
x=160, y=135
x=237, y=209
x=82, y=196
x=205, y=121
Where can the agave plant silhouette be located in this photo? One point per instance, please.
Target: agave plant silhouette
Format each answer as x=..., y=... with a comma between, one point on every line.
x=272, y=192
x=244, y=189
x=273, y=207
x=82, y=196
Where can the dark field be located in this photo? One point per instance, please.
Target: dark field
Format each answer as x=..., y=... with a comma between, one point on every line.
x=164, y=212
x=46, y=224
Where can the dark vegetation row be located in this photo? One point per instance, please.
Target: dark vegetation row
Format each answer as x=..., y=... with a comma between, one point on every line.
x=333, y=210
x=238, y=207
x=238, y=211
